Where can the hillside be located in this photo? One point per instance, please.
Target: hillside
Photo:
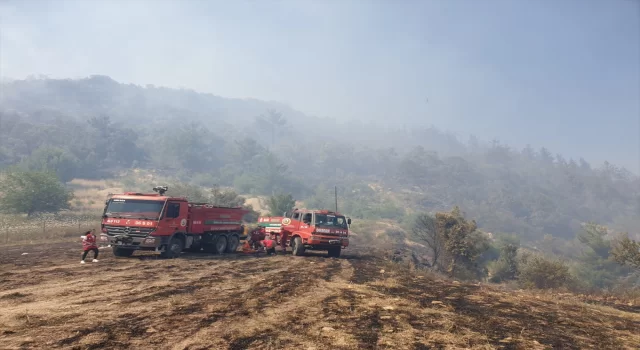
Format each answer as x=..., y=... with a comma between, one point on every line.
x=98, y=128
x=360, y=301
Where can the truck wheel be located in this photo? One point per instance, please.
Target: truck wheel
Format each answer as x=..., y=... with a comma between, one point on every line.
x=173, y=249
x=221, y=244
x=125, y=253
x=334, y=252
x=232, y=244
x=298, y=248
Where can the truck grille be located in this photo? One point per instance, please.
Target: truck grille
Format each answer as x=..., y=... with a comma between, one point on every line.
x=130, y=231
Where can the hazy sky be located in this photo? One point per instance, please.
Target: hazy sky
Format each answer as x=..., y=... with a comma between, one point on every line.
x=564, y=74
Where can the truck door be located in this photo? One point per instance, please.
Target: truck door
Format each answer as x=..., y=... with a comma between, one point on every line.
x=175, y=217
x=295, y=220
x=306, y=219
x=291, y=224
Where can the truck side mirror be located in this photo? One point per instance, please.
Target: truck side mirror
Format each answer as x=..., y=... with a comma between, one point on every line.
x=348, y=221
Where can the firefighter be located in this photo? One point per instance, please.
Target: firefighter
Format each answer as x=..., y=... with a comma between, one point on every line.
x=284, y=235
x=89, y=244
x=269, y=245
x=256, y=236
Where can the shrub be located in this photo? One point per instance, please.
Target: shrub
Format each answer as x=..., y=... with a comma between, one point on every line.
x=627, y=251
x=191, y=192
x=537, y=271
x=280, y=203
x=506, y=267
x=499, y=271
x=31, y=192
x=454, y=244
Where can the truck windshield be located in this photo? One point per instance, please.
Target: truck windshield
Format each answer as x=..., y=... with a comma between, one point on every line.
x=134, y=208
x=328, y=220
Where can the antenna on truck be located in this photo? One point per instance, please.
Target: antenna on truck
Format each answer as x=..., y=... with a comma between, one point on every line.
x=336, y=193
x=161, y=189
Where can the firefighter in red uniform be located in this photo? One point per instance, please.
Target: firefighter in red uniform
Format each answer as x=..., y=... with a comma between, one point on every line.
x=256, y=236
x=284, y=235
x=269, y=245
x=88, y=245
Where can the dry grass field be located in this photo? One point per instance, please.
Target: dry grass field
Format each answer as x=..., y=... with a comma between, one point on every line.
x=89, y=195
x=360, y=301
x=19, y=230
x=84, y=214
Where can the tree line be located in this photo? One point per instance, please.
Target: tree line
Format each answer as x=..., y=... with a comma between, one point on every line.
x=95, y=128
x=456, y=247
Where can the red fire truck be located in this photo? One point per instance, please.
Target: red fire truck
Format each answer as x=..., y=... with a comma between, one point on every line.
x=311, y=229
x=169, y=225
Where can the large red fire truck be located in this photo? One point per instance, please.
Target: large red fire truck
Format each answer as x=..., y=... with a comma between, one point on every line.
x=169, y=225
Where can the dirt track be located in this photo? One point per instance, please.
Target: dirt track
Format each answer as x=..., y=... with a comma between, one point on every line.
x=48, y=300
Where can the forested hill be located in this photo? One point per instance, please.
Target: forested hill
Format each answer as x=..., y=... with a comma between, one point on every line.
x=93, y=127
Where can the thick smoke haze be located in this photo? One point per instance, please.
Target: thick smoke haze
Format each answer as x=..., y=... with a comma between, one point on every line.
x=560, y=74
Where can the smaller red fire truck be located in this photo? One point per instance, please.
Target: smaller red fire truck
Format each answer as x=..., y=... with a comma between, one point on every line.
x=311, y=229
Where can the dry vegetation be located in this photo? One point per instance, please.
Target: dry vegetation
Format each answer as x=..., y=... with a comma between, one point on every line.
x=17, y=229
x=89, y=195
x=242, y=302
x=86, y=206
x=88, y=202
x=361, y=301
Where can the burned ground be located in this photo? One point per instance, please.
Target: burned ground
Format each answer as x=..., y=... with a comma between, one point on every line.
x=359, y=301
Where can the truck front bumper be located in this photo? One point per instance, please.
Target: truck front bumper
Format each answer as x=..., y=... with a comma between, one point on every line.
x=325, y=242
x=131, y=242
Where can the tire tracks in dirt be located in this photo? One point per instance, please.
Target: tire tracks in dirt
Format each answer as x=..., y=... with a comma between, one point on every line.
x=358, y=301
x=269, y=309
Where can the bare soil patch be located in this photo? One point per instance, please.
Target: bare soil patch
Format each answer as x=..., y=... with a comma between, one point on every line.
x=359, y=301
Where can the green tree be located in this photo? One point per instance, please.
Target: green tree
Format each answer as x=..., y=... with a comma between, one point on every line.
x=225, y=198
x=506, y=267
x=455, y=231
x=229, y=198
x=192, y=192
x=595, y=268
x=594, y=237
x=274, y=121
x=192, y=147
x=627, y=252
x=111, y=144
x=280, y=203
x=537, y=271
x=31, y=192
x=453, y=242
x=52, y=159
x=266, y=174
x=272, y=173
x=424, y=229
